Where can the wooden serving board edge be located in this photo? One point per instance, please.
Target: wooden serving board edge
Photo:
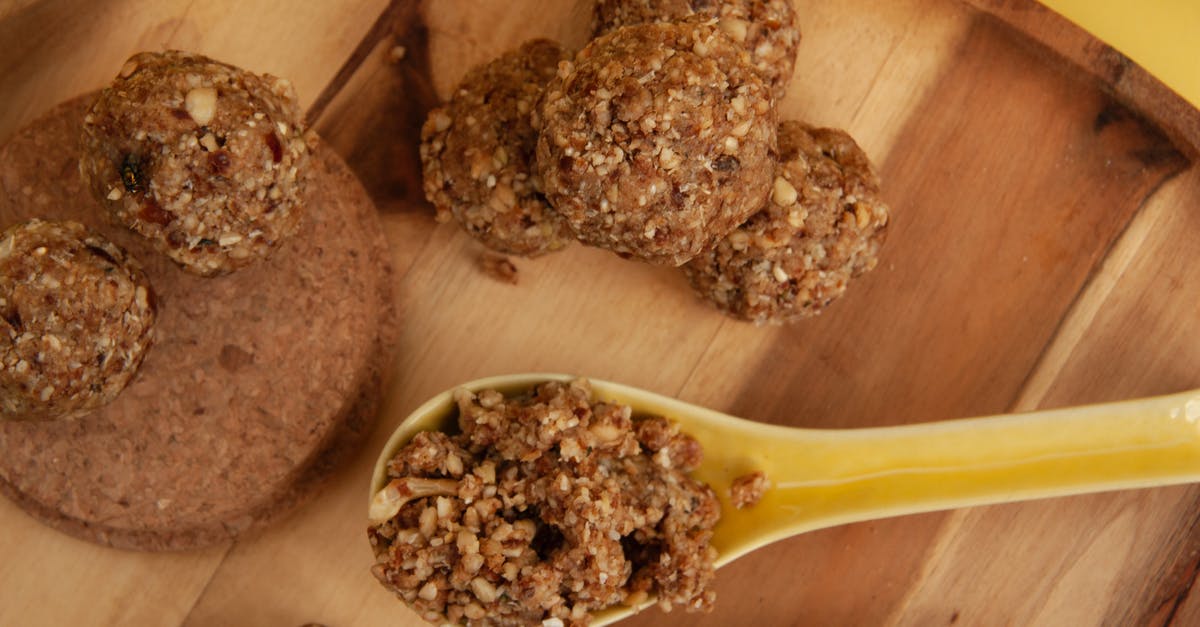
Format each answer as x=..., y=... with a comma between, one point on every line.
x=1129, y=83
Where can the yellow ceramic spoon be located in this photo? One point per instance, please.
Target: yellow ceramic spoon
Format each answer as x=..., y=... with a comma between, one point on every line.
x=822, y=478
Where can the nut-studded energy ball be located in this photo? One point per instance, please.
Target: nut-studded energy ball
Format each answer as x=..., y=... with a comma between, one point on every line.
x=823, y=226
x=766, y=28
x=478, y=153
x=206, y=160
x=76, y=319
x=657, y=141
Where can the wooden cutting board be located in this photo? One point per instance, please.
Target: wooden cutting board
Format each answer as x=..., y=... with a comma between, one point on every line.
x=1044, y=194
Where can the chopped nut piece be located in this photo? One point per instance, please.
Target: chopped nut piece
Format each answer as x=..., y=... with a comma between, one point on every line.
x=201, y=104
x=780, y=274
x=129, y=68
x=748, y=490
x=440, y=120
x=499, y=267
x=735, y=28
x=209, y=141
x=484, y=590
x=388, y=501
x=784, y=193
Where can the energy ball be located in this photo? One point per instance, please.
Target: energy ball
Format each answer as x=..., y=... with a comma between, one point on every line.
x=478, y=152
x=76, y=319
x=206, y=160
x=657, y=141
x=766, y=28
x=823, y=226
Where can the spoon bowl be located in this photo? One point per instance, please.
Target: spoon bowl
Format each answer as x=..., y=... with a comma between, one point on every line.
x=825, y=477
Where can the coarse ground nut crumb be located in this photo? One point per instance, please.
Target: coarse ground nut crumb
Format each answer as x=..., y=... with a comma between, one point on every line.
x=747, y=490
x=206, y=160
x=766, y=28
x=478, y=149
x=545, y=507
x=657, y=140
x=76, y=319
x=499, y=267
x=822, y=227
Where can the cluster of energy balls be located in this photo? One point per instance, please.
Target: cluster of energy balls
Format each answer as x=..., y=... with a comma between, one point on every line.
x=207, y=162
x=659, y=141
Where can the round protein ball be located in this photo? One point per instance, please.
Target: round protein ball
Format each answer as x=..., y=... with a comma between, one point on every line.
x=206, y=160
x=822, y=227
x=766, y=28
x=657, y=141
x=478, y=151
x=76, y=319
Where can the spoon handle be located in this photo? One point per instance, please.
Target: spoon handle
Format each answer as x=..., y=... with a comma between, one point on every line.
x=862, y=474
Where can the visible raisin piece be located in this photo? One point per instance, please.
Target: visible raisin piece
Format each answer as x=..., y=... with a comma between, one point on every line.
x=546, y=540
x=131, y=173
x=677, y=196
x=154, y=213
x=101, y=253
x=13, y=318
x=151, y=299
x=726, y=163
x=219, y=162
x=275, y=146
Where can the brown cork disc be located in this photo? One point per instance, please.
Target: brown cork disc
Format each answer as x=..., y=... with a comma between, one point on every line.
x=258, y=385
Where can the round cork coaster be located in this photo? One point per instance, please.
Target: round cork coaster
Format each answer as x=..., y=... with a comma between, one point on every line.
x=258, y=385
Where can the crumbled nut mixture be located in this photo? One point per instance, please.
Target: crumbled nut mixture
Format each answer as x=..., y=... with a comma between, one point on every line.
x=206, y=160
x=766, y=28
x=657, y=140
x=546, y=506
x=499, y=267
x=823, y=226
x=477, y=152
x=748, y=490
x=76, y=319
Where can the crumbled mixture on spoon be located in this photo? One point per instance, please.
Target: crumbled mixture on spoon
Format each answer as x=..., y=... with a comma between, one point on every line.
x=545, y=507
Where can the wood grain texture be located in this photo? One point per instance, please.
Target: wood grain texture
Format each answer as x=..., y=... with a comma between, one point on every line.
x=1040, y=256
